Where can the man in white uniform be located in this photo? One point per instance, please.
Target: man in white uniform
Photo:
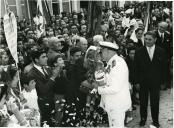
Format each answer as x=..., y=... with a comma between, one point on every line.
x=115, y=94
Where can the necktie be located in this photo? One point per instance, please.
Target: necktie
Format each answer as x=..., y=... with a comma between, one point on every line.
x=45, y=73
x=162, y=37
x=150, y=53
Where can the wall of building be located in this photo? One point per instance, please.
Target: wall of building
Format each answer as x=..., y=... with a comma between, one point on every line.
x=2, y=8
x=27, y=8
x=18, y=7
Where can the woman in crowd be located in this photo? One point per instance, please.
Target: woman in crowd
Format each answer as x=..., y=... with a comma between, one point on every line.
x=13, y=108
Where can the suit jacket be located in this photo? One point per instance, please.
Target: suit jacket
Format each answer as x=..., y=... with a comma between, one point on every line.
x=150, y=73
x=44, y=85
x=165, y=43
x=131, y=67
x=139, y=43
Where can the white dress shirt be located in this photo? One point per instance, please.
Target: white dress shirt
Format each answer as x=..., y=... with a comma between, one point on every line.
x=40, y=69
x=151, y=51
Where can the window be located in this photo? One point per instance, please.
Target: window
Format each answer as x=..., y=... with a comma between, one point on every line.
x=56, y=7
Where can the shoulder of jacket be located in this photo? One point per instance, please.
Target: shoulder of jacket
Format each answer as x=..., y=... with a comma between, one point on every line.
x=167, y=33
x=160, y=49
x=117, y=60
x=32, y=71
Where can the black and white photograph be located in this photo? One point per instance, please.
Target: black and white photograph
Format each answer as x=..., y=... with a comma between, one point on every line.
x=86, y=63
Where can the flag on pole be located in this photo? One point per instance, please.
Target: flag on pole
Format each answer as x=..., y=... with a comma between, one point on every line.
x=40, y=19
x=10, y=29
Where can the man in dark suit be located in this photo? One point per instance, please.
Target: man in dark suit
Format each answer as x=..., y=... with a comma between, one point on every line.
x=149, y=68
x=164, y=40
x=45, y=79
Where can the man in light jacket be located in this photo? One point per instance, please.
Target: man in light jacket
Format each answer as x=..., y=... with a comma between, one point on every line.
x=115, y=94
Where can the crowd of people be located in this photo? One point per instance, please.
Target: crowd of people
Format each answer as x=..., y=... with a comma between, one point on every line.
x=54, y=83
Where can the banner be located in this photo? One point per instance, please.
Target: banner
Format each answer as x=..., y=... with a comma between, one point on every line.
x=10, y=29
x=40, y=19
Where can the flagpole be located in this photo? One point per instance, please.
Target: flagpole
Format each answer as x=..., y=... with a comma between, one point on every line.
x=29, y=12
x=46, y=4
x=147, y=17
x=18, y=78
x=5, y=2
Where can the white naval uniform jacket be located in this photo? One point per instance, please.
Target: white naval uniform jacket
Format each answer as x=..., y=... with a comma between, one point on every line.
x=116, y=95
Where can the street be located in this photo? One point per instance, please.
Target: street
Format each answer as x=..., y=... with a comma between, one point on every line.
x=165, y=116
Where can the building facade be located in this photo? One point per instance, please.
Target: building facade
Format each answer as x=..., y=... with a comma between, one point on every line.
x=27, y=8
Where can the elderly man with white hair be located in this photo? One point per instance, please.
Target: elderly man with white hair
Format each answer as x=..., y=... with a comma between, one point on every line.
x=83, y=44
x=97, y=39
x=54, y=48
x=164, y=40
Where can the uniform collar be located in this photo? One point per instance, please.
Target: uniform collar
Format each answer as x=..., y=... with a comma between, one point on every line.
x=111, y=59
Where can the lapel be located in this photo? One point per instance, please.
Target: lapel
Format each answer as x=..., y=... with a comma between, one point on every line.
x=158, y=35
x=48, y=71
x=39, y=74
x=155, y=54
x=165, y=36
x=140, y=42
x=146, y=54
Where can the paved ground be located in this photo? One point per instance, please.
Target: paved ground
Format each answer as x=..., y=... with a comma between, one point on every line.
x=166, y=112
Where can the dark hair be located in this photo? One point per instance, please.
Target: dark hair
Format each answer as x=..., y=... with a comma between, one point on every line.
x=25, y=79
x=19, y=38
x=129, y=29
x=35, y=54
x=3, y=79
x=130, y=48
x=11, y=72
x=54, y=60
x=29, y=29
x=40, y=40
x=137, y=30
x=74, y=50
x=151, y=33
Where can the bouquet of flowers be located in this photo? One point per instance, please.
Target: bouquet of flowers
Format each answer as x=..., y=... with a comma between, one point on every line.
x=33, y=116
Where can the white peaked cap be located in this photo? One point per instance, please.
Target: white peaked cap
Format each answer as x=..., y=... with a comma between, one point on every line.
x=108, y=45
